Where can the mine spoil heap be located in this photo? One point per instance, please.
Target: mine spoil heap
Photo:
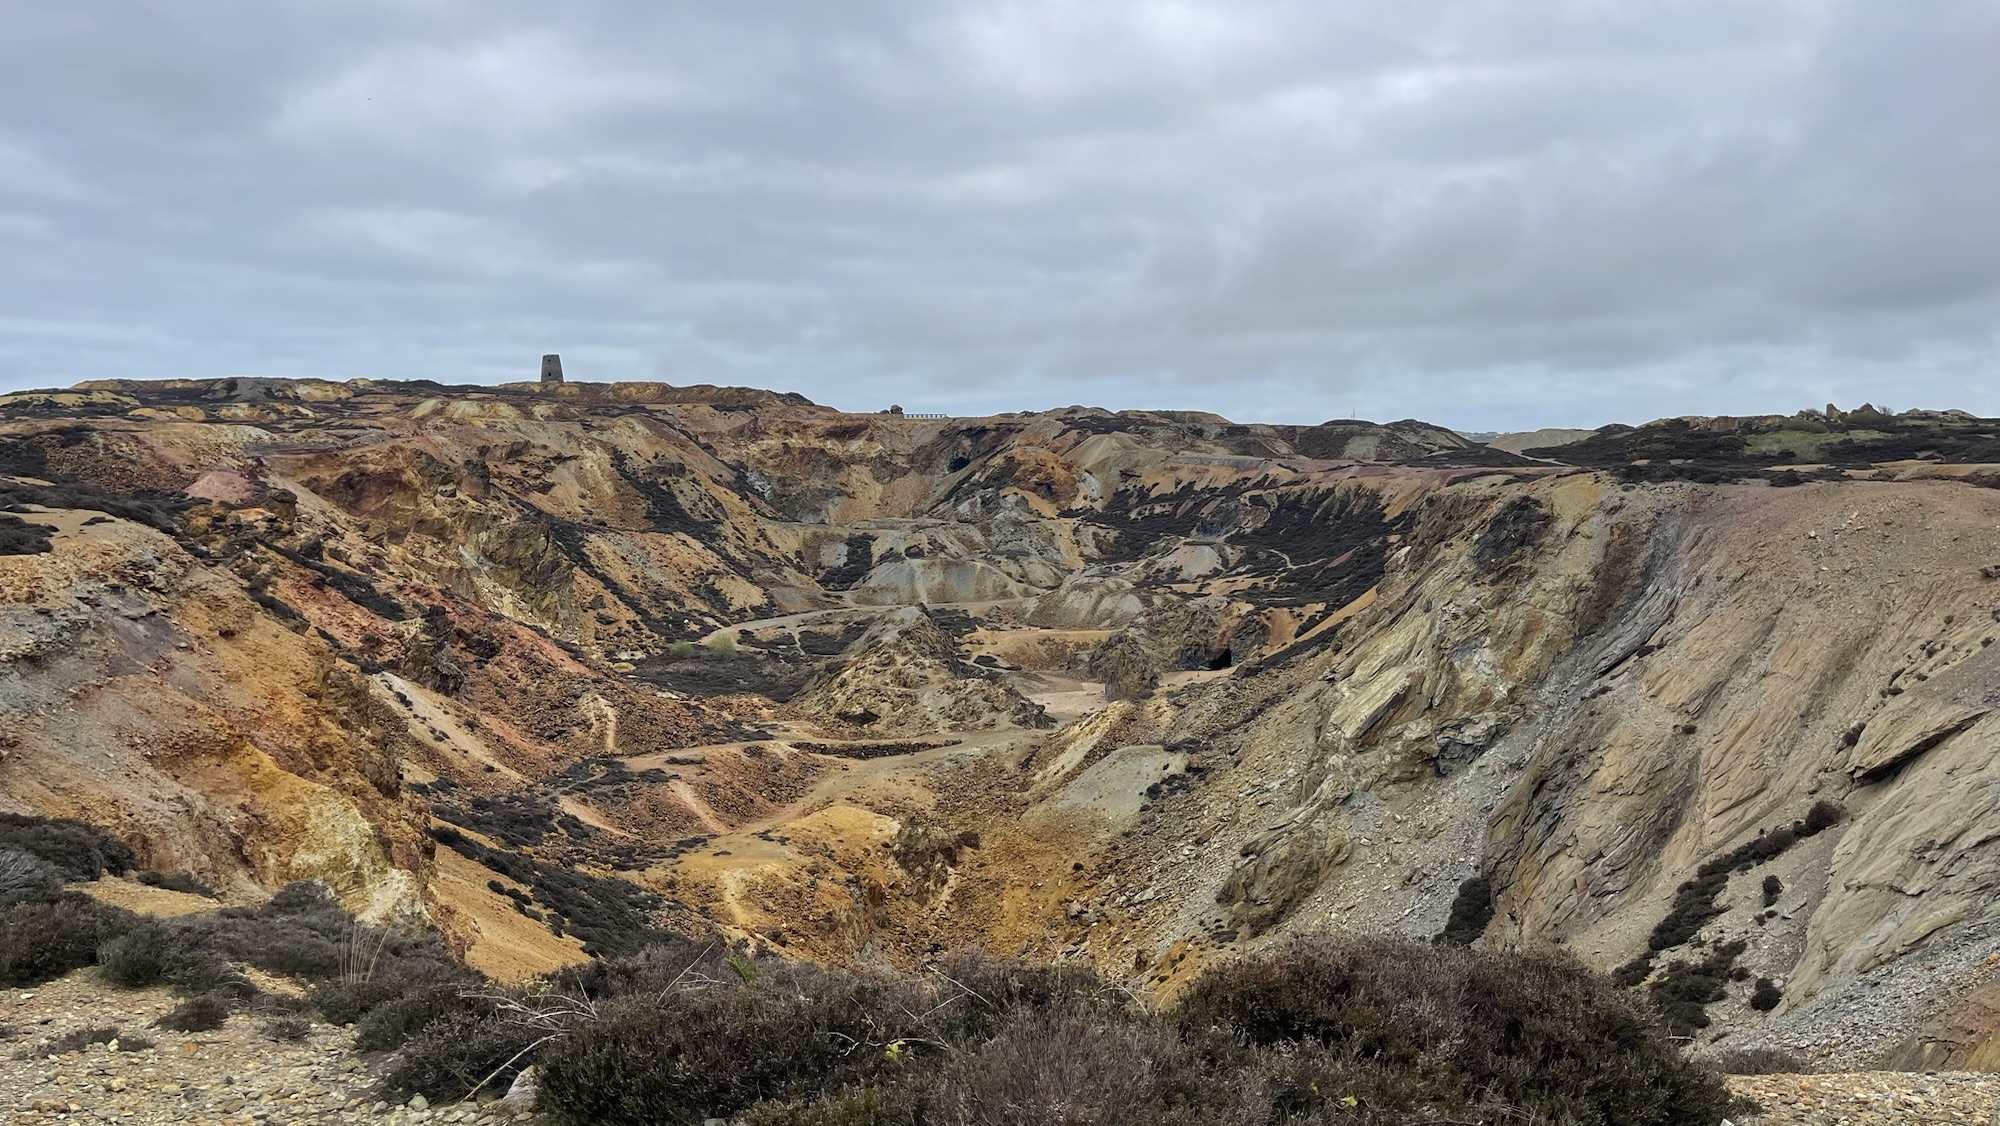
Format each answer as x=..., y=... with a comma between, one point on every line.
x=553, y=666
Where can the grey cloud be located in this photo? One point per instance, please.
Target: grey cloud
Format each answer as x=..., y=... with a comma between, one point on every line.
x=1489, y=215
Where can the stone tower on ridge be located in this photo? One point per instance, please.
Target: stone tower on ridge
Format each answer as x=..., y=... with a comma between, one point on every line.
x=551, y=370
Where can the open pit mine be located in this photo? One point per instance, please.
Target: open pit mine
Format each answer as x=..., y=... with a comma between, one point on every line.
x=1711, y=703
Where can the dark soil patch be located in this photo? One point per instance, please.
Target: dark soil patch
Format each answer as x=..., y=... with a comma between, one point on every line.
x=348, y=585
x=156, y=510
x=831, y=643
x=18, y=537
x=612, y=916
x=866, y=751
x=761, y=673
x=1696, y=901
x=665, y=511
x=1336, y=540
x=1471, y=911
x=860, y=559
x=1514, y=529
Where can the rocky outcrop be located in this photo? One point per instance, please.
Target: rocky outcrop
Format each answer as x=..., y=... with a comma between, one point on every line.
x=147, y=692
x=907, y=677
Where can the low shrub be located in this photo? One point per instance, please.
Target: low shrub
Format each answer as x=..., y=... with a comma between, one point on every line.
x=346, y=1001
x=1471, y=911
x=78, y=850
x=462, y=1052
x=79, y=1039
x=1766, y=995
x=718, y=1048
x=303, y=932
x=1685, y=990
x=866, y=1104
x=43, y=941
x=1074, y=1063
x=1381, y=1033
x=289, y=1029
x=1760, y=1061
x=137, y=958
x=27, y=878
x=518, y=820
x=302, y=897
x=612, y=917
x=1697, y=901
x=205, y=1013
x=394, y=1021
x=156, y=951
x=988, y=989
x=183, y=882
x=198, y=969
x=1540, y=1032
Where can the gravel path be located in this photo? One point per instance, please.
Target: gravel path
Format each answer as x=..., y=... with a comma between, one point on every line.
x=239, y=1075
x=1873, y=1098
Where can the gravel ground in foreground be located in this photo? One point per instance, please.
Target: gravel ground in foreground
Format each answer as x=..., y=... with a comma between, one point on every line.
x=1872, y=1098
x=239, y=1074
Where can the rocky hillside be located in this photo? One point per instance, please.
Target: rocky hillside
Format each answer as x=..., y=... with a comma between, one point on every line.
x=1710, y=702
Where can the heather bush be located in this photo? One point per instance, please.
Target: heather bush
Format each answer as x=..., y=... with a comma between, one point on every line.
x=27, y=878
x=462, y=1052
x=205, y=1013
x=1538, y=1032
x=138, y=957
x=302, y=897
x=866, y=1104
x=1760, y=1061
x=1355, y=1033
x=1379, y=1033
x=183, y=882
x=153, y=951
x=78, y=1040
x=77, y=850
x=1683, y=992
x=288, y=1028
x=345, y=1001
x=43, y=941
x=717, y=1047
x=414, y=1008
x=1090, y=1062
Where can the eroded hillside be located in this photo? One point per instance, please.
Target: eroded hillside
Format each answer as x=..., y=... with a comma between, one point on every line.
x=1709, y=702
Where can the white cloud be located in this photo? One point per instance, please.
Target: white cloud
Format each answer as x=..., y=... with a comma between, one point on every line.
x=521, y=84
x=1491, y=214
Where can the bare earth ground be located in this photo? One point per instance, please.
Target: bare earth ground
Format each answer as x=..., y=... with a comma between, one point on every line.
x=1872, y=1098
x=238, y=1075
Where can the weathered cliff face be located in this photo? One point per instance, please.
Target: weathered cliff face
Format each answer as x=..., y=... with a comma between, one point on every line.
x=1647, y=682
x=148, y=693
x=792, y=673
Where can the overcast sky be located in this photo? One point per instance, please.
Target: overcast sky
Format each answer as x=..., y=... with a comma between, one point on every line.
x=1490, y=215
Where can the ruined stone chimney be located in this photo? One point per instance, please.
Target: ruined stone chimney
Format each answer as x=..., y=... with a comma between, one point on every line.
x=551, y=370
